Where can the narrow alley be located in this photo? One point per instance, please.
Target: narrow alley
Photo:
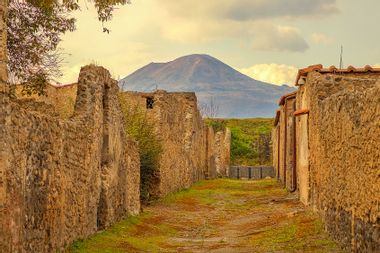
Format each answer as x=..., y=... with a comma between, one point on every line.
x=218, y=216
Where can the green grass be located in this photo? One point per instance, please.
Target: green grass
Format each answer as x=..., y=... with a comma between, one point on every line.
x=251, y=141
x=221, y=209
x=293, y=234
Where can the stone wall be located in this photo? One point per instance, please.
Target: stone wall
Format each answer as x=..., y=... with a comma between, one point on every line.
x=61, y=98
x=3, y=44
x=63, y=179
x=191, y=150
x=222, y=152
x=337, y=152
x=344, y=144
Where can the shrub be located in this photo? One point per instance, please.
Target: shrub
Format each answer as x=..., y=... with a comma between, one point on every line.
x=142, y=130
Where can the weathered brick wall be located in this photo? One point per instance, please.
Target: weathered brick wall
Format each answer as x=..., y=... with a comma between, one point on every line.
x=63, y=179
x=344, y=147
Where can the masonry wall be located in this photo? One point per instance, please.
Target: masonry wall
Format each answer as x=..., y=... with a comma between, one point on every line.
x=211, y=166
x=63, y=179
x=191, y=150
x=61, y=98
x=344, y=149
x=302, y=146
x=222, y=150
x=289, y=145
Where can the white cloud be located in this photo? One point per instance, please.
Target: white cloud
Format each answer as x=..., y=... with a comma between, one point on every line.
x=249, y=9
x=321, y=38
x=278, y=38
x=278, y=74
x=145, y=30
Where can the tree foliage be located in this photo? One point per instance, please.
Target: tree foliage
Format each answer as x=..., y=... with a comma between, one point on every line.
x=34, y=31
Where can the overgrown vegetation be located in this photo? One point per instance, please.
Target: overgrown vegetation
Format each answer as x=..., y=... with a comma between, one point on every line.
x=250, y=140
x=143, y=131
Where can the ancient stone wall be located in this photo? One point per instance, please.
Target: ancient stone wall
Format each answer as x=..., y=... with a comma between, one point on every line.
x=61, y=98
x=211, y=166
x=344, y=146
x=222, y=152
x=3, y=44
x=191, y=150
x=63, y=179
x=337, y=126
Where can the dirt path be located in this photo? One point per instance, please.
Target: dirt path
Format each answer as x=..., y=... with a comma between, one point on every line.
x=218, y=216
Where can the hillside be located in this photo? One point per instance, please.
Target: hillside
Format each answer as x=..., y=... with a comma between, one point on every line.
x=250, y=140
x=237, y=95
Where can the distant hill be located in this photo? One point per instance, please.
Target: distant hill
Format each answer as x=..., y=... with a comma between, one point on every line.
x=237, y=95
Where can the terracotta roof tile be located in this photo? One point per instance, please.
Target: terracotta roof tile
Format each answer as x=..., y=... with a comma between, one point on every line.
x=319, y=68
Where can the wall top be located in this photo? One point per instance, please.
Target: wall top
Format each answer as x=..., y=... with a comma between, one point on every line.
x=319, y=68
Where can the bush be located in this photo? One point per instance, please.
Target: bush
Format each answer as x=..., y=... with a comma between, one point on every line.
x=142, y=130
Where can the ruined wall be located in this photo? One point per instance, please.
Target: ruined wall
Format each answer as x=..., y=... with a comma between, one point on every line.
x=63, y=179
x=211, y=166
x=183, y=135
x=222, y=152
x=191, y=150
x=344, y=151
x=289, y=146
x=281, y=147
x=3, y=44
x=283, y=142
x=61, y=98
x=275, y=148
x=302, y=145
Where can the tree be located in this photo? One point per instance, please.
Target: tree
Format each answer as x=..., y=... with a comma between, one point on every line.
x=209, y=110
x=34, y=28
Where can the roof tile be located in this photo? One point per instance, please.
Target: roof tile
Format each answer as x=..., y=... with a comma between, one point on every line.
x=319, y=68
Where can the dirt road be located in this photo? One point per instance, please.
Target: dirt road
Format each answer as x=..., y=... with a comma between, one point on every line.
x=218, y=216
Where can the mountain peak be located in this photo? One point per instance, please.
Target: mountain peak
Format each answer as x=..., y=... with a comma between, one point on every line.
x=209, y=77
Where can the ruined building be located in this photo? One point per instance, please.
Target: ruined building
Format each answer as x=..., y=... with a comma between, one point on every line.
x=191, y=150
x=64, y=179
x=68, y=168
x=326, y=147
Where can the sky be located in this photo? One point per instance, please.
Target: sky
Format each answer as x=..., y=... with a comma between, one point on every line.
x=268, y=40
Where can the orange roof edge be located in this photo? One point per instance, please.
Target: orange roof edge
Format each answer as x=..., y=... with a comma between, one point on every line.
x=319, y=68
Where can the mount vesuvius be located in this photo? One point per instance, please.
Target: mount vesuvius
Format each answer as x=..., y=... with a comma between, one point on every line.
x=237, y=95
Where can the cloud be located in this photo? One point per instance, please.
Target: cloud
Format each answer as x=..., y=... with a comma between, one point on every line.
x=321, y=38
x=189, y=21
x=249, y=9
x=278, y=74
x=278, y=38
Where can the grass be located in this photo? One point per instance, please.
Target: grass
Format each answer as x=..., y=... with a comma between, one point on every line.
x=252, y=216
x=251, y=139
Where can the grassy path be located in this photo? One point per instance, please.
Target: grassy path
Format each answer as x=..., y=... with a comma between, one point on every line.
x=218, y=216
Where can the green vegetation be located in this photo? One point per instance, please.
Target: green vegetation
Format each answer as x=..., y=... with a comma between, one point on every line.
x=251, y=139
x=143, y=130
x=223, y=214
